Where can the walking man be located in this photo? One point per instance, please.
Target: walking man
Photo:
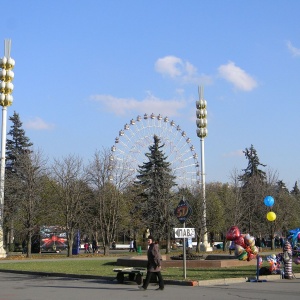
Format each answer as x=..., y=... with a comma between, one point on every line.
x=153, y=265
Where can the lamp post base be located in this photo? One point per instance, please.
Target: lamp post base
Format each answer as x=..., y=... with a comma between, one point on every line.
x=3, y=253
x=2, y=250
x=205, y=247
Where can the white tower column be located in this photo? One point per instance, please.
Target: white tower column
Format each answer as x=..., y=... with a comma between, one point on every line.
x=202, y=133
x=6, y=99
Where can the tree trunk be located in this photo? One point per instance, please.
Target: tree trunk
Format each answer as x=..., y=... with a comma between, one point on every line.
x=198, y=237
x=273, y=243
x=106, y=249
x=272, y=236
x=11, y=236
x=28, y=254
x=168, y=245
x=167, y=240
x=70, y=242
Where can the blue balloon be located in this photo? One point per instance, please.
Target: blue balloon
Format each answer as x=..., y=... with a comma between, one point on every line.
x=269, y=201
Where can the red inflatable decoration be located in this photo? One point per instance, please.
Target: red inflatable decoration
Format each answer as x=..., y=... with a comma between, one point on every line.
x=240, y=241
x=233, y=233
x=245, y=248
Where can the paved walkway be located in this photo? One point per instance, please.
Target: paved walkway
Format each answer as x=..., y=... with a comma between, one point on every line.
x=34, y=287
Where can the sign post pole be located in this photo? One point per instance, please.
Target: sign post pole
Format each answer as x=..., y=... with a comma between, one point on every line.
x=182, y=212
x=184, y=255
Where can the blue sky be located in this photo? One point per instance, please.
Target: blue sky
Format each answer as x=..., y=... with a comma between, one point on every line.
x=85, y=68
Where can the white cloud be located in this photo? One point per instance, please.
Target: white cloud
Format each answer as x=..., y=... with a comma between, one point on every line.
x=237, y=76
x=184, y=71
x=234, y=153
x=151, y=104
x=295, y=51
x=169, y=65
x=38, y=124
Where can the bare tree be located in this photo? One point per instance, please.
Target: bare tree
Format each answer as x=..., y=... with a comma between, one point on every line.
x=217, y=195
x=108, y=179
x=194, y=197
x=70, y=186
x=235, y=206
x=30, y=168
x=132, y=224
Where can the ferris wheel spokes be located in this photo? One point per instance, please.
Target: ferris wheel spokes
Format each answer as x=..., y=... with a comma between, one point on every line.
x=136, y=137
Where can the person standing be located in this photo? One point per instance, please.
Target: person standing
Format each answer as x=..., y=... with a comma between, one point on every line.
x=153, y=265
x=86, y=245
x=131, y=247
x=258, y=243
x=24, y=247
x=95, y=246
x=231, y=247
x=113, y=244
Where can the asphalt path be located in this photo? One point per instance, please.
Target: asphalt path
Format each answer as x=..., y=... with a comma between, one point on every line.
x=35, y=287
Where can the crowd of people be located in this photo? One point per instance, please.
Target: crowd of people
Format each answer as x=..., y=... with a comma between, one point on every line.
x=90, y=247
x=94, y=248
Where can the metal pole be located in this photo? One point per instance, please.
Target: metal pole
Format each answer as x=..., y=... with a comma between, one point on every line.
x=6, y=99
x=257, y=267
x=184, y=255
x=2, y=177
x=202, y=133
x=204, y=228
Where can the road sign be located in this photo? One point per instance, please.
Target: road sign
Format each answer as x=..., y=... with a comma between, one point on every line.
x=183, y=211
x=181, y=233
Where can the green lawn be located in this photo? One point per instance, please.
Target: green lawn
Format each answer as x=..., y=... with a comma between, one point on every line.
x=105, y=266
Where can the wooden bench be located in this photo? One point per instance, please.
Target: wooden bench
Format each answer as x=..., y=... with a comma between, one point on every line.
x=120, y=247
x=134, y=274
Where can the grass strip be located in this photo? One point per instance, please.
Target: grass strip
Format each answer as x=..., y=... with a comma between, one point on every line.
x=104, y=267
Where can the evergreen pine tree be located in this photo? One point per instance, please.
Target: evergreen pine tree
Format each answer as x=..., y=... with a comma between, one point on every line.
x=295, y=191
x=155, y=176
x=252, y=169
x=253, y=189
x=19, y=142
x=16, y=147
x=281, y=187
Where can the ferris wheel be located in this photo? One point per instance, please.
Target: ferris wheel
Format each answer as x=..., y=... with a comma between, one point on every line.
x=133, y=143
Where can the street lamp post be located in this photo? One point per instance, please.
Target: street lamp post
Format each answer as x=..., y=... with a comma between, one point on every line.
x=202, y=133
x=6, y=99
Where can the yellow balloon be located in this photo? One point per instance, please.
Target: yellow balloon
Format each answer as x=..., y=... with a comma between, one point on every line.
x=271, y=216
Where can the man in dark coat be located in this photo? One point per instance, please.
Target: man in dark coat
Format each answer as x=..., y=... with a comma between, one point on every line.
x=154, y=264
